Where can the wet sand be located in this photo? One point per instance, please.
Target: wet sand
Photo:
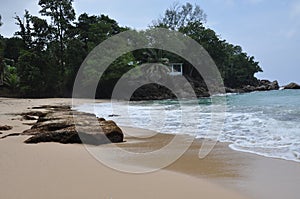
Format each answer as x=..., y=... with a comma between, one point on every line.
x=50, y=170
x=252, y=175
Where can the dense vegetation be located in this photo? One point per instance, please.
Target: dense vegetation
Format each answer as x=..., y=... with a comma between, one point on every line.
x=43, y=57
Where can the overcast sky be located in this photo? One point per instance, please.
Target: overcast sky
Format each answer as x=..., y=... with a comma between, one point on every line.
x=267, y=29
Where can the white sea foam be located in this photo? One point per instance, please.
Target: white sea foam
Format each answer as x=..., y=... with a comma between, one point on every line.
x=264, y=123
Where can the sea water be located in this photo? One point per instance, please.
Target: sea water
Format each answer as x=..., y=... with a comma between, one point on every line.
x=264, y=123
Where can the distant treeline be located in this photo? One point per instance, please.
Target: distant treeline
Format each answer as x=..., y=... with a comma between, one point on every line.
x=43, y=57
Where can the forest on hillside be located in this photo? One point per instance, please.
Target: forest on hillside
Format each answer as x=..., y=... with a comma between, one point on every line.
x=43, y=57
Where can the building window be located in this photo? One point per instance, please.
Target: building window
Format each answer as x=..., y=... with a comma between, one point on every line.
x=176, y=69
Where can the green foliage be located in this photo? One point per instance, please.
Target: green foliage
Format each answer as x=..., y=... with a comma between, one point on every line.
x=235, y=66
x=36, y=77
x=43, y=58
x=12, y=48
x=1, y=21
x=75, y=54
x=62, y=14
x=11, y=79
x=179, y=16
x=34, y=32
x=119, y=67
x=29, y=72
x=92, y=30
x=25, y=32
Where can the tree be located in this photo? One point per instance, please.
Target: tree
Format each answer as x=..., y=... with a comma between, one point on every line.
x=179, y=16
x=75, y=54
x=34, y=31
x=236, y=67
x=25, y=30
x=12, y=48
x=62, y=15
x=1, y=21
x=37, y=75
x=40, y=33
x=10, y=78
x=92, y=30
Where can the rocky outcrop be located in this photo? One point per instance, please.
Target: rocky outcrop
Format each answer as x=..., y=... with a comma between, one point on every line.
x=263, y=85
x=157, y=92
x=292, y=86
x=180, y=85
x=267, y=85
x=66, y=126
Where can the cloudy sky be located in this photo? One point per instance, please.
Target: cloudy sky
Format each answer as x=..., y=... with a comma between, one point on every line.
x=267, y=29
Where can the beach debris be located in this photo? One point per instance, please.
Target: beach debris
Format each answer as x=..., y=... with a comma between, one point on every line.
x=5, y=128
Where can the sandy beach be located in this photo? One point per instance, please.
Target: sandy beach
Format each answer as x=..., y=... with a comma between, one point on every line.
x=51, y=170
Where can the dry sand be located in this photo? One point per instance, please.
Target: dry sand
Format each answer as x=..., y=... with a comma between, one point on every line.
x=51, y=170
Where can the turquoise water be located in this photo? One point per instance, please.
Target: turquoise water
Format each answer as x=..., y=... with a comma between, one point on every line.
x=264, y=123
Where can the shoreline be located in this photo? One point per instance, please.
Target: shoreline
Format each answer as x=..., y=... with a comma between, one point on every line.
x=223, y=173
x=254, y=175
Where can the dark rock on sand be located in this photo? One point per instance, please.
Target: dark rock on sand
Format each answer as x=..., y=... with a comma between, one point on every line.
x=10, y=135
x=61, y=137
x=5, y=128
x=30, y=117
x=53, y=107
x=67, y=126
x=34, y=113
x=292, y=86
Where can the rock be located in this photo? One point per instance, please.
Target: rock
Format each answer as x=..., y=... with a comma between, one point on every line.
x=112, y=131
x=292, y=86
x=229, y=90
x=29, y=123
x=60, y=126
x=5, y=128
x=233, y=90
x=61, y=137
x=113, y=115
x=261, y=88
x=273, y=85
x=266, y=85
x=101, y=119
x=34, y=113
x=263, y=85
x=10, y=135
x=53, y=107
x=30, y=117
